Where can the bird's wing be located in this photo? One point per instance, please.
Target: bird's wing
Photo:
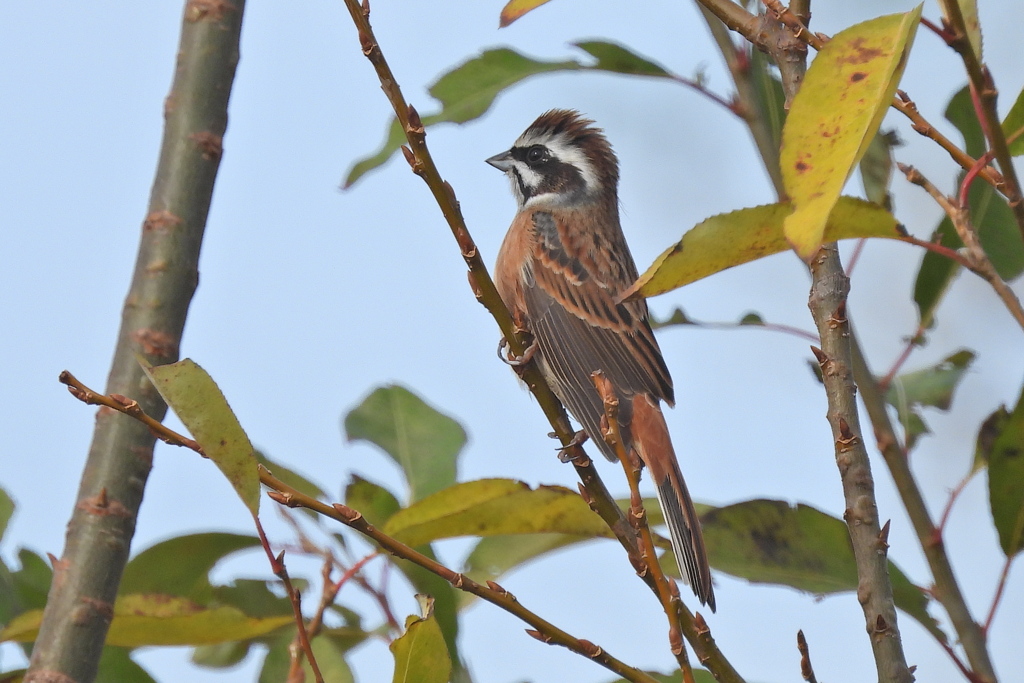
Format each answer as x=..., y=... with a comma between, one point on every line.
x=570, y=286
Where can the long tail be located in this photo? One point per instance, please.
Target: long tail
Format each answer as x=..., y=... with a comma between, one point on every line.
x=654, y=446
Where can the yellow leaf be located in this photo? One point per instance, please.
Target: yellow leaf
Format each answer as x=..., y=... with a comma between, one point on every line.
x=517, y=8
x=488, y=507
x=846, y=93
x=731, y=239
x=141, y=620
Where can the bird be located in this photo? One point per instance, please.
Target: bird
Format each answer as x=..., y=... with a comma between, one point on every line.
x=560, y=271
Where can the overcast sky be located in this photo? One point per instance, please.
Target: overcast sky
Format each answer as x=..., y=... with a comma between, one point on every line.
x=310, y=297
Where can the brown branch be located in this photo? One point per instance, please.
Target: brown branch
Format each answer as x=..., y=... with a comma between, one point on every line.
x=667, y=591
x=99, y=534
x=544, y=631
x=977, y=259
x=1003, y=575
x=946, y=590
x=827, y=302
x=422, y=164
x=593, y=489
x=806, y=670
x=280, y=570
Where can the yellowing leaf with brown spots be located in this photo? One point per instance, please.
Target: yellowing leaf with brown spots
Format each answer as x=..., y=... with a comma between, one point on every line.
x=836, y=113
x=731, y=239
x=514, y=9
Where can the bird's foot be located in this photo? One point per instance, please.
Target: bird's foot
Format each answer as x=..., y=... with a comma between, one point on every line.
x=570, y=451
x=510, y=358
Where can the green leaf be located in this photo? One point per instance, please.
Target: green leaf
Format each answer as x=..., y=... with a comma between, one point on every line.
x=329, y=658
x=490, y=507
x=514, y=9
x=424, y=442
x=199, y=404
x=619, y=59
x=846, y=93
x=420, y=654
x=731, y=239
x=932, y=386
x=32, y=581
x=221, y=655
x=989, y=431
x=992, y=218
x=180, y=566
x=769, y=97
x=117, y=666
x=373, y=501
x=253, y=597
x=493, y=556
x=768, y=541
x=468, y=91
x=969, y=11
x=465, y=92
x=143, y=620
x=876, y=168
x=6, y=511
x=1013, y=126
x=1006, y=481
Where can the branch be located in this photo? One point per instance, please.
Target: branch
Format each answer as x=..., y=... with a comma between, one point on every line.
x=422, y=164
x=544, y=631
x=978, y=261
x=946, y=590
x=593, y=489
x=86, y=578
x=827, y=302
x=666, y=590
x=983, y=86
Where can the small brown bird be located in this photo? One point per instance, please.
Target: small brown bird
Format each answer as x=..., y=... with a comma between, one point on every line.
x=560, y=270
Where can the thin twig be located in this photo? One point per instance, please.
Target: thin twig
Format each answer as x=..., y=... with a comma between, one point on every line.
x=1003, y=575
x=422, y=164
x=983, y=86
x=277, y=565
x=668, y=592
x=912, y=343
x=806, y=670
x=978, y=261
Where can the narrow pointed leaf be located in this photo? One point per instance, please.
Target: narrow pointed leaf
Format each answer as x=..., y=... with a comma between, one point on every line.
x=846, y=93
x=876, y=168
x=515, y=9
x=423, y=441
x=465, y=92
x=420, y=654
x=1013, y=126
x=731, y=239
x=933, y=387
x=199, y=404
x=619, y=59
x=769, y=541
x=1006, y=481
x=770, y=99
x=489, y=507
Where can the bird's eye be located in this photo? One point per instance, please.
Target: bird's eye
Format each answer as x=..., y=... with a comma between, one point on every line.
x=536, y=155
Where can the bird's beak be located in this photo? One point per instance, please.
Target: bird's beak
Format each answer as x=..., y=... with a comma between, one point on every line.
x=502, y=162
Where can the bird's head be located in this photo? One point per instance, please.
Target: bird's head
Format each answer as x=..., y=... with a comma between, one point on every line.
x=561, y=160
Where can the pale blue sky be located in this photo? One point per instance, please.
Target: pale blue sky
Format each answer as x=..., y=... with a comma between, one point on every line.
x=310, y=297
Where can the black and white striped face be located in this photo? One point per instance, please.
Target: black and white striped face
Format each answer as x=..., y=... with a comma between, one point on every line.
x=549, y=165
